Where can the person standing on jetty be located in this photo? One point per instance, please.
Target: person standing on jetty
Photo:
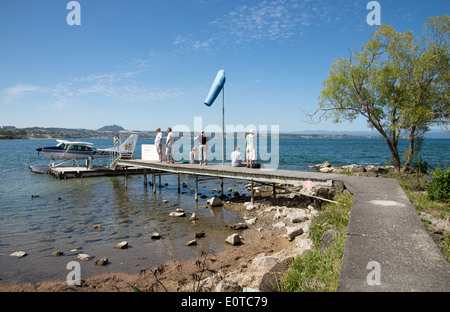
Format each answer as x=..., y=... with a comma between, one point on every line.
x=169, y=145
x=203, y=150
x=158, y=143
x=250, y=151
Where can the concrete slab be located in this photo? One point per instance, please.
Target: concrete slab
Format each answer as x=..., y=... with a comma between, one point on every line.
x=385, y=229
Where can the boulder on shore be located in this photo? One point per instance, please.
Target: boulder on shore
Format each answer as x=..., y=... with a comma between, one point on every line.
x=293, y=232
x=233, y=239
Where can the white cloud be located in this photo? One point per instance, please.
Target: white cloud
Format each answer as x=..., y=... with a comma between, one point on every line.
x=21, y=90
x=115, y=86
x=276, y=20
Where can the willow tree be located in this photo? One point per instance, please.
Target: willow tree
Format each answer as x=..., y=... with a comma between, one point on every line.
x=397, y=82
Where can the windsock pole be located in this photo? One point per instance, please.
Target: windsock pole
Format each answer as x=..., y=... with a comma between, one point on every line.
x=223, y=125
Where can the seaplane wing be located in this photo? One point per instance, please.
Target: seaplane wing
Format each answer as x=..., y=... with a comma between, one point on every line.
x=74, y=143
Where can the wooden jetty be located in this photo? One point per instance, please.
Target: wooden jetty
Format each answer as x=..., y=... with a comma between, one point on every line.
x=156, y=169
x=69, y=172
x=225, y=171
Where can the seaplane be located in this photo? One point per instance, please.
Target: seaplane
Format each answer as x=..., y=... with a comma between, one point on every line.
x=66, y=151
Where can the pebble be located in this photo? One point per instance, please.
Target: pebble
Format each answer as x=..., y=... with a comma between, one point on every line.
x=156, y=236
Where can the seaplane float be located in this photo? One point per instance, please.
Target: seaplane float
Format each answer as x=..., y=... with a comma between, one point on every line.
x=71, y=151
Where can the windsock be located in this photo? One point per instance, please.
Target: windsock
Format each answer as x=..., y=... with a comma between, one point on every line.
x=216, y=87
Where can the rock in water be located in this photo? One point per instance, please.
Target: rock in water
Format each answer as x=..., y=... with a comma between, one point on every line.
x=200, y=235
x=102, y=262
x=215, y=202
x=83, y=257
x=191, y=243
x=176, y=214
x=18, y=254
x=122, y=245
x=156, y=236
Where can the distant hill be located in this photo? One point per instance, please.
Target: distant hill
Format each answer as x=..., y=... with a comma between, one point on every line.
x=113, y=128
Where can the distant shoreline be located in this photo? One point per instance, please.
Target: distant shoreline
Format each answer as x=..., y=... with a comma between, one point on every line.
x=12, y=133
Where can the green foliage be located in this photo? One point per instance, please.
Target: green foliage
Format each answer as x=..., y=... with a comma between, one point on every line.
x=439, y=188
x=420, y=166
x=399, y=83
x=318, y=270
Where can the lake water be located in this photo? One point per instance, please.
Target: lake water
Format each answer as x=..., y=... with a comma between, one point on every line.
x=63, y=216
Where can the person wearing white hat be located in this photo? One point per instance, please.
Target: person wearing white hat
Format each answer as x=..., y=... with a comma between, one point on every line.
x=250, y=151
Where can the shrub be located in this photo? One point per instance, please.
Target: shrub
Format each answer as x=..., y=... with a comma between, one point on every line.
x=439, y=187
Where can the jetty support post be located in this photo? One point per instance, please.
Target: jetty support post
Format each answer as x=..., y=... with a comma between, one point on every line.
x=196, y=188
x=159, y=175
x=221, y=186
x=179, y=189
x=274, y=188
x=252, y=194
x=126, y=177
x=154, y=182
x=145, y=178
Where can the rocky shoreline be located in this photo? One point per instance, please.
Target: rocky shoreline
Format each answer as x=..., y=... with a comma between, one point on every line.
x=273, y=232
x=368, y=171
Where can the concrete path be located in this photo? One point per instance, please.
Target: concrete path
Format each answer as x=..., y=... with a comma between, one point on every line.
x=387, y=246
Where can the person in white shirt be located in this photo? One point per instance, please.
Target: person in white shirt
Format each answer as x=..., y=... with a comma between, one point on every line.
x=169, y=145
x=236, y=157
x=158, y=143
x=203, y=150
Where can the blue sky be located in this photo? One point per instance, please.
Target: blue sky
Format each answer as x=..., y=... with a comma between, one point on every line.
x=147, y=64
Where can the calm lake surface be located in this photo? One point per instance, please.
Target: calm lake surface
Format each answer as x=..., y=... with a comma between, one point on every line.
x=63, y=216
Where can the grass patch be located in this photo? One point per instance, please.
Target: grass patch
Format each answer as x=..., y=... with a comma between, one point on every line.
x=317, y=270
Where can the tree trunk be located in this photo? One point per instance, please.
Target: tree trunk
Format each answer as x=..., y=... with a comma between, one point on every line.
x=394, y=152
x=392, y=144
x=412, y=137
